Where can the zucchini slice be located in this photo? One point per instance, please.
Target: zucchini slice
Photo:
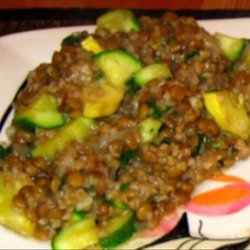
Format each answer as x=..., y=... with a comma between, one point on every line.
x=117, y=65
x=244, y=61
x=117, y=230
x=151, y=72
x=78, y=235
x=232, y=47
x=42, y=113
x=149, y=129
x=118, y=20
x=77, y=129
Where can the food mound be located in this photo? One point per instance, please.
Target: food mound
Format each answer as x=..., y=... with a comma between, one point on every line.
x=120, y=127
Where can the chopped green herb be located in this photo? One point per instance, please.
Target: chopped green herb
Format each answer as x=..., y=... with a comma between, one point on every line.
x=133, y=87
x=156, y=111
x=98, y=75
x=202, y=78
x=124, y=186
x=216, y=144
x=78, y=215
x=167, y=140
x=62, y=183
x=4, y=152
x=200, y=145
x=127, y=156
x=168, y=23
x=73, y=39
x=192, y=53
x=114, y=203
x=91, y=189
x=158, y=58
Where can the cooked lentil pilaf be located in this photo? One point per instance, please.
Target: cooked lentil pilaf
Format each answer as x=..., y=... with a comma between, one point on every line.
x=114, y=167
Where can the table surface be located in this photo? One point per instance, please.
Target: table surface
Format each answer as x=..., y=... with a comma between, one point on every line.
x=143, y=4
x=22, y=15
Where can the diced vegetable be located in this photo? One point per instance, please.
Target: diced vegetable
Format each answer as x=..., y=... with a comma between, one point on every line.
x=101, y=100
x=151, y=72
x=77, y=129
x=77, y=235
x=9, y=216
x=117, y=230
x=91, y=44
x=117, y=65
x=149, y=129
x=232, y=47
x=228, y=112
x=118, y=20
x=244, y=61
x=42, y=113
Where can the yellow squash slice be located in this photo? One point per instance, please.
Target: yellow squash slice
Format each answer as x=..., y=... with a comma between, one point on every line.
x=228, y=112
x=101, y=99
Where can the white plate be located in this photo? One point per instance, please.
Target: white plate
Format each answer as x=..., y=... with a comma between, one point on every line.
x=22, y=52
